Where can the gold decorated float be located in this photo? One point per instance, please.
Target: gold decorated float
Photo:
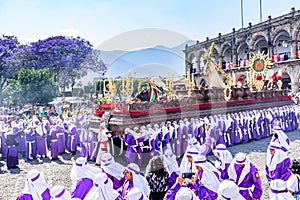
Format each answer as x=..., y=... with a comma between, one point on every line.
x=165, y=100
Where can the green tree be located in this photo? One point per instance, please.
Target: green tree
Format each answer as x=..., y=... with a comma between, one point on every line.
x=36, y=86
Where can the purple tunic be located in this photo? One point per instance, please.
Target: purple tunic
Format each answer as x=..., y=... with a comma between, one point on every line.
x=281, y=172
x=178, y=145
x=83, y=186
x=172, y=180
x=202, y=191
x=71, y=144
x=224, y=172
x=31, y=146
x=131, y=143
x=252, y=178
x=12, y=156
x=171, y=193
x=126, y=187
x=93, y=143
x=54, y=143
x=24, y=197
x=60, y=139
x=41, y=145
x=46, y=194
x=116, y=183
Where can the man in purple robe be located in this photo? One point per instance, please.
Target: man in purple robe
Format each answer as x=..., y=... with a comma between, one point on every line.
x=278, y=163
x=41, y=138
x=133, y=178
x=54, y=142
x=130, y=142
x=224, y=159
x=35, y=187
x=72, y=143
x=12, y=154
x=280, y=137
x=113, y=170
x=246, y=176
x=31, y=146
x=82, y=178
x=60, y=133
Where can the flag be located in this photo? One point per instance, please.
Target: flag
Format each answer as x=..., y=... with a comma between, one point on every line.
x=152, y=92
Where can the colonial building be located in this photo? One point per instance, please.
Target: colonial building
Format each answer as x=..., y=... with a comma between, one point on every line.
x=279, y=37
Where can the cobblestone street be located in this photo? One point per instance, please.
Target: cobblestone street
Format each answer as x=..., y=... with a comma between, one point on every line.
x=58, y=172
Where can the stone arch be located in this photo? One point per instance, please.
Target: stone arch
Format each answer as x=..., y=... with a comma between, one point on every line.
x=296, y=32
x=224, y=47
x=240, y=42
x=191, y=56
x=255, y=38
x=279, y=32
x=200, y=64
x=282, y=42
x=242, y=50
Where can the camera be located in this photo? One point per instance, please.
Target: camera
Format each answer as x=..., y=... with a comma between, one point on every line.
x=188, y=175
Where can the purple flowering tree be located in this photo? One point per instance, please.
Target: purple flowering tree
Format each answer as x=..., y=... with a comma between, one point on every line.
x=8, y=46
x=65, y=57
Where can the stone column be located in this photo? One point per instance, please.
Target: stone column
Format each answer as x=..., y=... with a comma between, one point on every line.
x=197, y=65
x=234, y=57
x=294, y=73
x=293, y=49
x=220, y=61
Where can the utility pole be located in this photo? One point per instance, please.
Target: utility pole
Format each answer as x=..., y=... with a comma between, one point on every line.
x=242, y=13
x=260, y=9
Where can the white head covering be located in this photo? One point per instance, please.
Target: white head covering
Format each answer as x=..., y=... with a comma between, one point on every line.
x=278, y=157
x=242, y=159
x=111, y=167
x=229, y=190
x=138, y=180
x=282, y=137
x=136, y=194
x=278, y=190
x=82, y=170
x=35, y=184
x=58, y=192
x=193, y=142
x=185, y=193
x=209, y=178
x=185, y=164
x=170, y=160
x=225, y=156
x=102, y=189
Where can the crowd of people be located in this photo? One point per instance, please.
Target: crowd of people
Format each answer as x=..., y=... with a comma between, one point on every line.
x=178, y=168
x=194, y=178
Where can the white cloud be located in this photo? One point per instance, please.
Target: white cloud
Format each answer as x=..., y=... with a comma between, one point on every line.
x=71, y=32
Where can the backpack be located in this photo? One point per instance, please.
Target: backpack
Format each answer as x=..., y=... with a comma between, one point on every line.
x=297, y=194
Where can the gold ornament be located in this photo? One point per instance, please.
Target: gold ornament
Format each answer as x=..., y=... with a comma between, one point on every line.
x=259, y=64
x=279, y=84
x=259, y=85
x=227, y=93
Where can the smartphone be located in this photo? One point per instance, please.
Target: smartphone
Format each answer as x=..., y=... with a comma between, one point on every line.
x=188, y=175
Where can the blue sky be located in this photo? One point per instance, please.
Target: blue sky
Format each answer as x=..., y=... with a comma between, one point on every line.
x=101, y=21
